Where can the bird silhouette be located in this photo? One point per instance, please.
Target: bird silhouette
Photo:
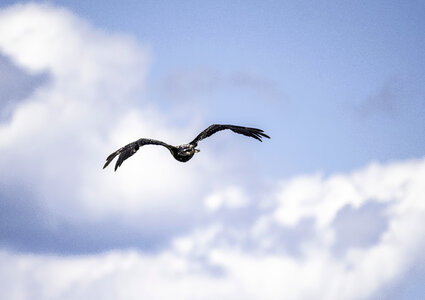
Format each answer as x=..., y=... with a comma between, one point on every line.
x=184, y=152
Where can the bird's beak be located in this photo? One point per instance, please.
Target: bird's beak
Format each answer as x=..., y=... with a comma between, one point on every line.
x=197, y=150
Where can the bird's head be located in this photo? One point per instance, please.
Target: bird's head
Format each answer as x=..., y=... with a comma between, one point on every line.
x=187, y=150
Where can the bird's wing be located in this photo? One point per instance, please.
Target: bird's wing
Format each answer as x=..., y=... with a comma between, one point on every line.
x=128, y=150
x=248, y=131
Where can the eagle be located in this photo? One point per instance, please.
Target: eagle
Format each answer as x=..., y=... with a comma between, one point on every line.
x=184, y=152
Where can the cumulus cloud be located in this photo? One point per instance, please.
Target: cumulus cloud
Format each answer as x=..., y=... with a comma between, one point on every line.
x=231, y=197
x=15, y=85
x=54, y=143
x=219, y=261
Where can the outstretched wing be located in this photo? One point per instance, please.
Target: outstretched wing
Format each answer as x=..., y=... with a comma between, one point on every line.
x=128, y=150
x=248, y=131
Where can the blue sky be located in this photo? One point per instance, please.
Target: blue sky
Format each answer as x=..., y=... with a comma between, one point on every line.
x=338, y=87
x=325, y=63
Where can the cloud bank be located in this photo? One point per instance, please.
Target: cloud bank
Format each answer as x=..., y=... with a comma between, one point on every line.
x=54, y=143
x=70, y=230
x=253, y=262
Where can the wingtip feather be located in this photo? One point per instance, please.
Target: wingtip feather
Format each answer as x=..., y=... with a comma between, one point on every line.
x=110, y=158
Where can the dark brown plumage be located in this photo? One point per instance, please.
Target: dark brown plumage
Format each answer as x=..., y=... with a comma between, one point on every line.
x=184, y=152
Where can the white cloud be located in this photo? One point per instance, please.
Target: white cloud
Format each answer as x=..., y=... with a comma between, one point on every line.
x=231, y=197
x=42, y=37
x=57, y=139
x=210, y=264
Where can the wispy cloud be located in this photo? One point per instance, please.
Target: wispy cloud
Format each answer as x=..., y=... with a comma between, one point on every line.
x=389, y=100
x=186, y=84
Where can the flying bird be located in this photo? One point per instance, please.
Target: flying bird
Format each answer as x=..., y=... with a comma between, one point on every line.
x=183, y=152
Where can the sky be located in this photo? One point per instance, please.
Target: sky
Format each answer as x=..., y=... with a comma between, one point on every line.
x=331, y=207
